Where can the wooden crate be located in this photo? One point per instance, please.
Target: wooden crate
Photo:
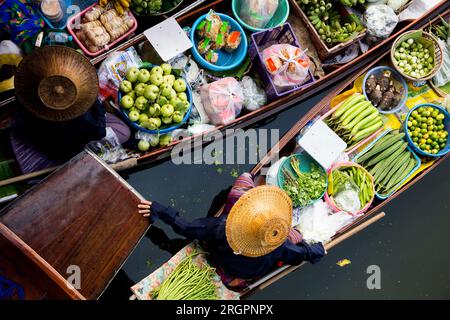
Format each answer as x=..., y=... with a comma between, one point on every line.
x=322, y=49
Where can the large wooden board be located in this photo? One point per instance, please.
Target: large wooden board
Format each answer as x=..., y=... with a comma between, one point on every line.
x=83, y=215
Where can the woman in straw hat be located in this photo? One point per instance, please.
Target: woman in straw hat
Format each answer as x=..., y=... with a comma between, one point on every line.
x=251, y=237
x=58, y=112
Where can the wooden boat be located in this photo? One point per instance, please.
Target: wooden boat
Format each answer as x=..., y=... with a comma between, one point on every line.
x=43, y=241
x=332, y=76
x=286, y=146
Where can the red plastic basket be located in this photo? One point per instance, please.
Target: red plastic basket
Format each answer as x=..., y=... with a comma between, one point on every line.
x=79, y=16
x=283, y=34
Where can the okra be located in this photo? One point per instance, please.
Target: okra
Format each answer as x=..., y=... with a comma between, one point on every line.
x=402, y=160
x=401, y=175
x=382, y=144
x=389, y=151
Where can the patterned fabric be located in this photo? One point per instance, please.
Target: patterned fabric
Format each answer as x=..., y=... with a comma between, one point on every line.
x=19, y=20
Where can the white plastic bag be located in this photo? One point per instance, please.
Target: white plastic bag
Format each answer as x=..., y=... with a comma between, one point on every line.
x=287, y=64
x=257, y=13
x=318, y=224
x=442, y=77
x=254, y=96
x=222, y=100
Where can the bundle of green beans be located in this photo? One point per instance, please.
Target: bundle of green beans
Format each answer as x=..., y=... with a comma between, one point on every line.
x=389, y=161
x=441, y=30
x=332, y=27
x=355, y=119
x=360, y=177
x=187, y=282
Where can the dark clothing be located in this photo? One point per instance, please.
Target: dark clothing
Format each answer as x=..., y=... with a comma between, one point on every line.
x=212, y=232
x=60, y=141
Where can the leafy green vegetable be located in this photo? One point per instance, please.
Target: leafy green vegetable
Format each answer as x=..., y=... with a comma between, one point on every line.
x=304, y=187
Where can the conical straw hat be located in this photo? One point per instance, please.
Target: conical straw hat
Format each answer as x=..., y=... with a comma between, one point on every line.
x=56, y=83
x=259, y=221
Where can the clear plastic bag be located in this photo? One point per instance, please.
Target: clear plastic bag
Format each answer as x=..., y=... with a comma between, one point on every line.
x=347, y=194
x=287, y=64
x=442, y=77
x=109, y=149
x=254, y=96
x=222, y=100
x=257, y=13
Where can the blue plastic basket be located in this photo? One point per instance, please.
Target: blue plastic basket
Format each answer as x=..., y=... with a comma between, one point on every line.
x=378, y=70
x=280, y=16
x=163, y=130
x=306, y=162
x=227, y=61
x=385, y=196
x=447, y=128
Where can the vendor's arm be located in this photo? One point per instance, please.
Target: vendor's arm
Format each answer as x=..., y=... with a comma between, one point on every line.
x=200, y=229
x=295, y=254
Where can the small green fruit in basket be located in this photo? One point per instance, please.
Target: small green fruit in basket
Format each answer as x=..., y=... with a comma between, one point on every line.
x=154, y=110
x=167, y=110
x=140, y=89
x=166, y=91
x=126, y=86
x=156, y=79
x=167, y=68
x=140, y=103
x=153, y=123
x=127, y=102
x=143, y=118
x=177, y=117
x=143, y=145
x=132, y=74
x=167, y=120
x=169, y=79
x=157, y=70
x=179, y=85
x=144, y=76
x=162, y=100
x=183, y=96
x=133, y=115
x=151, y=92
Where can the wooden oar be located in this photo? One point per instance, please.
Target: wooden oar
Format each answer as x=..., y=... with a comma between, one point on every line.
x=120, y=166
x=283, y=271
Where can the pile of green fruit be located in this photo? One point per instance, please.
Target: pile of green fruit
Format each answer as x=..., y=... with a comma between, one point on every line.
x=351, y=3
x=152, y=7
x=389, y=161
x=154, y=99
x=332, y=27
x=426, y=129
x=414, y=58
x=355, y=119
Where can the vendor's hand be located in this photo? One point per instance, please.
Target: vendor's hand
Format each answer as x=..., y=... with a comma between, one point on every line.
x=144, y=208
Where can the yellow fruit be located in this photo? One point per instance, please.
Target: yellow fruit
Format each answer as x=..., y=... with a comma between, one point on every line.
x=125, y=3
x=119, y=8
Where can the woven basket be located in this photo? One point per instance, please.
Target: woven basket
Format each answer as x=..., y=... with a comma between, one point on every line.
x=438, y=57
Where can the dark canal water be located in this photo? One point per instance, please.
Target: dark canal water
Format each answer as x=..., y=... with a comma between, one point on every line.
x=409, y=245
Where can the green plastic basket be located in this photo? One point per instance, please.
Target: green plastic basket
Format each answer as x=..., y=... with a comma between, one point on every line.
x=306, y=161
x=279, y=18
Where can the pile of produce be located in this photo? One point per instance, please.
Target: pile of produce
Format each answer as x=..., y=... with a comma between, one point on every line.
x=332, y=27
x=216, y=35
x=355, y=119
x=304, y=187
x=426, y=129
x=120, y=5
x=442, y=30
x=103, y=25
x=187, y=282
x=153, y=7
x=351, y=3
x=415, y=57
x=350, y=187
x=384, y=91
x=389, y=161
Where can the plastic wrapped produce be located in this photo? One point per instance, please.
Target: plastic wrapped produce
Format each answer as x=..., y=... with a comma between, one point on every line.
x=257, y=13
x=222, y=100
x=442, y=77
x=287, y=64
x=380, y=21
x=254, y=96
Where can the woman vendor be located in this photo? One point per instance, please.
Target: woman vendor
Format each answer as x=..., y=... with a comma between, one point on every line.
x=58, y=112
x=252, y=236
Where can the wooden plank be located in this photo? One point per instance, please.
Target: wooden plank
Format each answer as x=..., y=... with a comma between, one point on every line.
x=23, y=266
x=85, y=215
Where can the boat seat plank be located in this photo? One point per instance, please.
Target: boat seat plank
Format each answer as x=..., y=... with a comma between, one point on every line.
x=83, y=215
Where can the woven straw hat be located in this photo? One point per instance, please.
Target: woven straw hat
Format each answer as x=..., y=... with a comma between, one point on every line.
x=259, y=221
x=56, y=83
